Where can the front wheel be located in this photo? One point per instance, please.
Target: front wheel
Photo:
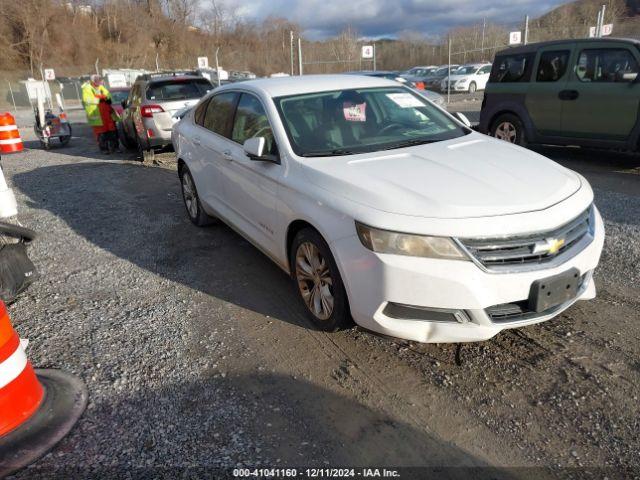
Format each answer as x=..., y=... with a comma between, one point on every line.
x=472, y=87
x=318, y=281
x=196, y=213
x=509, y=128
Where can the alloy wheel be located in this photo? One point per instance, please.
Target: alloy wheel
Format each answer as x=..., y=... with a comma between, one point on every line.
x=506, y=131
x=314, y=280
x=189, y=195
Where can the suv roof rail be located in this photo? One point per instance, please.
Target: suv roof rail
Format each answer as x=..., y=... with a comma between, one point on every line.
x=168, y=73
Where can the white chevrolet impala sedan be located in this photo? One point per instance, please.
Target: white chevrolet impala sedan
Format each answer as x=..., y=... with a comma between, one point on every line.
x=387, y=210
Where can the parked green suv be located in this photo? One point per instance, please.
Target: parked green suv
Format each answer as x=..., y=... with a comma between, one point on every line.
x=570, y=92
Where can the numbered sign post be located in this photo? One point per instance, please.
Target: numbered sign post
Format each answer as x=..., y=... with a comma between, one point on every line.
x=203, y=62
x=49, y=74
x=515, y=38
x=367, y=52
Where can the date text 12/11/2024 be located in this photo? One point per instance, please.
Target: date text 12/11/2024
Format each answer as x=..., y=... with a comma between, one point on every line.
x=315, y=473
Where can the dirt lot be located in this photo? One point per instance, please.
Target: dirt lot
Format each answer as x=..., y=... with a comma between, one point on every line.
x=197, y=355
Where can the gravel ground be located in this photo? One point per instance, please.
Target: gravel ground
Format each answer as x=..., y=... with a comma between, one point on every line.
x=197, y=355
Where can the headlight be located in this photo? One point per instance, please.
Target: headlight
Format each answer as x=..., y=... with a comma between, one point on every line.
x=395, y=243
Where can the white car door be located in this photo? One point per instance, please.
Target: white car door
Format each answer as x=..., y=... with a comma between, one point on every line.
x=483, y=77
x=251, y=186
x=211, y=141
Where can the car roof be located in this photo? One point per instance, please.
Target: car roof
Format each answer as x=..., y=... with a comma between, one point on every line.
x=282, y=86
x=533, y=47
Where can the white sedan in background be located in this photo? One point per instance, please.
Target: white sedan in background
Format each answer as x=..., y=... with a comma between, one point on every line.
x=468, y=78
x=386, y=209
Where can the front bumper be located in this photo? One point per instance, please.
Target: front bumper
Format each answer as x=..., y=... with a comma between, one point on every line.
x=374, y=281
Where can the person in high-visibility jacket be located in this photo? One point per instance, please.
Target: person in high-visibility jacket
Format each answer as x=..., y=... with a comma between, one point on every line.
x=92, y=92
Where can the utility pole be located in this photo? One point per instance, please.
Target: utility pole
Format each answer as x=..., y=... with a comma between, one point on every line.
x=217, y=66
x=291, y=49
x=157, y=61
x=598, y=22
x=96, y=65
x=604, y=7
x=300, y=55
x=374, y=57
x=526, y=29
x=484, y=26
x=449, y=74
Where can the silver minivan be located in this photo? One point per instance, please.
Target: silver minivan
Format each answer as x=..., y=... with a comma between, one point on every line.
x=150, y=110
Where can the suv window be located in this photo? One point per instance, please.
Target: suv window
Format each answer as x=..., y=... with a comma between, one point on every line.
x=135, y=94
x=512, y=68
x=251, y=121
x=552, y=65
x=178, y=89
x=219, y=113
x=606, y=65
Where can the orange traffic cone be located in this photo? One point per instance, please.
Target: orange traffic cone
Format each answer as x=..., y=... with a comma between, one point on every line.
x=37, y=407
x=10, y=141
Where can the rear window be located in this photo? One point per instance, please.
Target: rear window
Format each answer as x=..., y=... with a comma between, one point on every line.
x=512, y=68
x=178, y=89
x=118, y=96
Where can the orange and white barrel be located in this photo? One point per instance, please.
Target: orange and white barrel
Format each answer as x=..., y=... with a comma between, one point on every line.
x=10, y=141
x=20, y=391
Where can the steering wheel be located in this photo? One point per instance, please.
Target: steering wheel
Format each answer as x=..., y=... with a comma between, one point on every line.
x=388, y=128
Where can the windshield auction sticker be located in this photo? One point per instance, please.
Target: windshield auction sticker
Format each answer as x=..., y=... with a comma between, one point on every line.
x=355, y=112
x=405, y=100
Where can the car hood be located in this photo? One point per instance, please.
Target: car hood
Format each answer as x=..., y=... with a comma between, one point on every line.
x=472, y=176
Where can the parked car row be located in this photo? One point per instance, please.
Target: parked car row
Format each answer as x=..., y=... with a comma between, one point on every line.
x=357, y=186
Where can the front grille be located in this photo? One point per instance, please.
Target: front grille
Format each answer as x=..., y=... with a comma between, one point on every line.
x=530, y=251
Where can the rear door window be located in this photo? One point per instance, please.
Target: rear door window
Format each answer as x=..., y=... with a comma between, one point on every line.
x=219, y=113
x=512, y=68
x=178, y=89
x=552, y=65
x=606, y=65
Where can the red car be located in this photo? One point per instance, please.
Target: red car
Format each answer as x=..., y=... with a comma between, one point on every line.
x=117, y=95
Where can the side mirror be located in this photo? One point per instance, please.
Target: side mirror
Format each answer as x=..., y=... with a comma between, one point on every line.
x=463, y=118
x=254, y=148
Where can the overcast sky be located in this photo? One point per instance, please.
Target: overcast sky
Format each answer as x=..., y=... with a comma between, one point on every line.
x=379, y=18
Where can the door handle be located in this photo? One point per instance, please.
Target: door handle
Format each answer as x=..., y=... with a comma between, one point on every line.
x=196, y=140
x=227, y=155
x=568, y=94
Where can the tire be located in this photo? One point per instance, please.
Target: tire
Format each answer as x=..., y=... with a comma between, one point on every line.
x=144, y=155
x=329, y=311
x=124, y=138
x=472, y=87
x=191, y=200
x=509, y=127
x=65, y=139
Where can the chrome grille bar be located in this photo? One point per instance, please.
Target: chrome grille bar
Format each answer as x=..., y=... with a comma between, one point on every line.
x=530, y=251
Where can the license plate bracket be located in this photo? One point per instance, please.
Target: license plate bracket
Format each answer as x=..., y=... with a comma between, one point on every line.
x=552, y=291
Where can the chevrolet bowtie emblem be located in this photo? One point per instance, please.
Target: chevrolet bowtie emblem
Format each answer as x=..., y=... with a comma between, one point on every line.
x=549, y=246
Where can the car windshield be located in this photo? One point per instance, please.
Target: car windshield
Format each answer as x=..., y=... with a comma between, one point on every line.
x=466, y=70
x=178, y=89
x=352, y=121
x=118, y=96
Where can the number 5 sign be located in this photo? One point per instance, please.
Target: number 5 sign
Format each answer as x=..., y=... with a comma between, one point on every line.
x=515, y=38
